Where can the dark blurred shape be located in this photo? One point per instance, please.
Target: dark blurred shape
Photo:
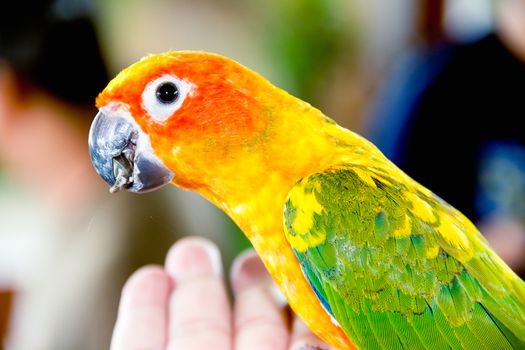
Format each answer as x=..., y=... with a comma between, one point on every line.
x=24, y=14
x=430, y=21
x=62, y=56
x=6, y=302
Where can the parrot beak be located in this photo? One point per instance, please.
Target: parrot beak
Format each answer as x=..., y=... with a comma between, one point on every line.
x=122, y=154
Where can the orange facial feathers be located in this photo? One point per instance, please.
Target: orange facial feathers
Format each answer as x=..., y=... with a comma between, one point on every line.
x=217, y=106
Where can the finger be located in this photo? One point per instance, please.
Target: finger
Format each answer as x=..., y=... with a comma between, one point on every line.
x=199, y=311
x=304, y=339
x=142, y=316
x=259, y=322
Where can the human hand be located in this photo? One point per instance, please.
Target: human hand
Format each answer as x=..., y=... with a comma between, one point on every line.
x=185, y=306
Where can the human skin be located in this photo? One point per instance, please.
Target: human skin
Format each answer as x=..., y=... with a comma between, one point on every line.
x=184, y=305
x=42, y=144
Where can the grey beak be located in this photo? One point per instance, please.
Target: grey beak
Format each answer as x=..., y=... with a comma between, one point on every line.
x=122, y=155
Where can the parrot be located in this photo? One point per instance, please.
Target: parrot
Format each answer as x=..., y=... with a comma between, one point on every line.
x=366, y=256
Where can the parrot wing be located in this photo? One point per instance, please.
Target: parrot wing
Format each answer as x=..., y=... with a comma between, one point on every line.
x=397, y=267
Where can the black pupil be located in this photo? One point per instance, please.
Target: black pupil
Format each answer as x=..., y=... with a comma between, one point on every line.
x=167, y=93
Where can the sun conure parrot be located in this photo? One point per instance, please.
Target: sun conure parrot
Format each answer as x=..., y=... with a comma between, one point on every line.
x=365, y=255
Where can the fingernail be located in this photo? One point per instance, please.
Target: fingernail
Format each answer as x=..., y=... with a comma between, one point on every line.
x=148, y=285
x=247, y=270
x=194, y=257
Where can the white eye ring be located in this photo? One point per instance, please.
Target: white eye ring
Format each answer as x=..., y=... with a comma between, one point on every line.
x=161, y=109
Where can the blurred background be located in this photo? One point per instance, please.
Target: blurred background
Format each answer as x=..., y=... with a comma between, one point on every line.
x=436, y=84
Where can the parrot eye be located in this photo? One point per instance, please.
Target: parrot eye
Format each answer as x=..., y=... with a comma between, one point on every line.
x=167, y=92
x=163, y=96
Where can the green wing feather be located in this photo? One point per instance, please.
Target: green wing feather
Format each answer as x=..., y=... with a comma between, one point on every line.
x=398, y=268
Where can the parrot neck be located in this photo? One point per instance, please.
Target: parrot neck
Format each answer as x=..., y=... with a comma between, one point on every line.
x=254, y=195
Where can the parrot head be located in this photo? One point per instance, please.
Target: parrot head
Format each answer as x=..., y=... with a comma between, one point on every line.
x=206, y=123
x=174, y=115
